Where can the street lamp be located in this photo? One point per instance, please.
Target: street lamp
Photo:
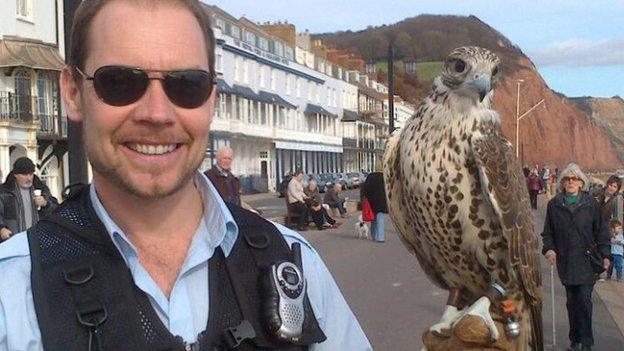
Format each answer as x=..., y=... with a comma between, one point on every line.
x=519, y=117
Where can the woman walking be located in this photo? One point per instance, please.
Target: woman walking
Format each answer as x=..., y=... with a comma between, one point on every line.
x=375, y=191
x=573, y=226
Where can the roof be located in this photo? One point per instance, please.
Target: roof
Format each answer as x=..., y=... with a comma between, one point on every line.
x=245, y=92
x=349, y=116
x=223, y=87
x=23, y=52
x=312, y=109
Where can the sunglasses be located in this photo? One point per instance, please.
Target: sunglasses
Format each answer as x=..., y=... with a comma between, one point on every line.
x=570, y=179
x=122, y=86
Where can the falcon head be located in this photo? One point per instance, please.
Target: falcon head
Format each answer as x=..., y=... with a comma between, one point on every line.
x=470, y=71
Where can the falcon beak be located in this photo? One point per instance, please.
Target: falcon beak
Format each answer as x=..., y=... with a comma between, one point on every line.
x=483, y=85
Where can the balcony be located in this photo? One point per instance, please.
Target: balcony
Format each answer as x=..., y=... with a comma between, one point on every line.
x=24, y=109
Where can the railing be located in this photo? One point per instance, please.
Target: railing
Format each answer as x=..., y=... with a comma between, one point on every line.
x=24, y=108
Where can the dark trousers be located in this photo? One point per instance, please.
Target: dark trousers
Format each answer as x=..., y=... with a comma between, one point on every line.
x=533, y=197
x=579, y=304
x=339, y=206
x=320, y=217
x=302, y=210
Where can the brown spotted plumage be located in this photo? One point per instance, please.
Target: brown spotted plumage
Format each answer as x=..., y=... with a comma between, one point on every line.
x=457, y=195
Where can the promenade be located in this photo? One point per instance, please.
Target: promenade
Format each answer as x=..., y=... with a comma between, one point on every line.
x=394, y=301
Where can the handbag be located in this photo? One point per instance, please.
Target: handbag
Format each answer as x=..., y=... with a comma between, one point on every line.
x=592, y=254
x=368, y=215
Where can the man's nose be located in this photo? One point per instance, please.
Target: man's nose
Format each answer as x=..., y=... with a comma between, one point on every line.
x=155, y=106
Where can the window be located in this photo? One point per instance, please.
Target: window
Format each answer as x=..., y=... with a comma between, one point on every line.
x=237, y=68
x=246, y=71
x=24, y=9
x=250, y=38
x=278, y=48
x=318, y=93
x=236, y=32
x=298, y=87
x=23, y=99
x=287, y=84
x=263, y=43
x=290, y=53
x=218, y=62
x=261, y=76
x=273, y=79
x=310, y=91
x=219, y=23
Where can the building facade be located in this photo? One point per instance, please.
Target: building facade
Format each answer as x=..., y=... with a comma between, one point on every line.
x=31, y=122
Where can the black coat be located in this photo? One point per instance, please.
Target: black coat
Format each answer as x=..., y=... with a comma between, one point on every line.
x=375, y=191
x=562, y=227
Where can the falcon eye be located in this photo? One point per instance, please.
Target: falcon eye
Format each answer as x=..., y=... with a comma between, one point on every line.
x=459, y=66
x=495, y=71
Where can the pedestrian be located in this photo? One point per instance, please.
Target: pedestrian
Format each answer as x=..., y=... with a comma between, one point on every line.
x=544, y=177
x=552, y=184
x=574, y=226
x=24, y=198
x=534, y=185
x=610, y=200
x=297, y=200
x=319, y=214
x=226, y=183
x=374, y=191
x=220, y=175
x=335, y=200
x=149, y=256
x=617, y=250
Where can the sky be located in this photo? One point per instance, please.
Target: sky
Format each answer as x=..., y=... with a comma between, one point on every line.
x=577, y=46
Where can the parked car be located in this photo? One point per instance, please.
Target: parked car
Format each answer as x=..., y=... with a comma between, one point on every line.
x=344, y=179
x=325, y=180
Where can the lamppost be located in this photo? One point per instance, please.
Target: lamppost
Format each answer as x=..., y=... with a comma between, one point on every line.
x=519, y=117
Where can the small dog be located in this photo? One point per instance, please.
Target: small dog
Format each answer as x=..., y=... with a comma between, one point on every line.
x=361, y=228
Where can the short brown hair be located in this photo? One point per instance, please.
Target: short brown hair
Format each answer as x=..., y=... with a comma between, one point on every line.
x=88, y=9
x=615, y=179
x=615, y=223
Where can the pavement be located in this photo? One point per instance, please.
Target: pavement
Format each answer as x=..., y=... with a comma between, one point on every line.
x=394, y=301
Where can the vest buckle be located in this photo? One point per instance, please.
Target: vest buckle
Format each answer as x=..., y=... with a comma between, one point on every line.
x=91, y=313
x=234, y=336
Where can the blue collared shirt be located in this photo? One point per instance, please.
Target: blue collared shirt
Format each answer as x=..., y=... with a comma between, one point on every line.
x=185, y=312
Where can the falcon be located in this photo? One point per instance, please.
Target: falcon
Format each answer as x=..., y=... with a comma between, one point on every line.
x=459, y=201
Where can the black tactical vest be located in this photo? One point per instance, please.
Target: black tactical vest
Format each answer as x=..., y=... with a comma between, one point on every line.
x=85, y=297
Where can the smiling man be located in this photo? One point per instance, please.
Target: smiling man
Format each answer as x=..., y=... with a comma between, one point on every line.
x=149, y=256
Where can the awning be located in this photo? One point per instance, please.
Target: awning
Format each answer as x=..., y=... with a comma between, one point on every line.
x=22, y=52
x=312, y=109
x=245, y=92
x=223, y=87
x=349, y=116
x=271, y=98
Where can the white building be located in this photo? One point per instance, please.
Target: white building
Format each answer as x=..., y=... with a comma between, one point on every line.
x=277, y=107
x=31, y=47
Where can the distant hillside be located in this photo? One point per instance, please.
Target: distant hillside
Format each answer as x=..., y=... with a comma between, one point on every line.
x=554, y=134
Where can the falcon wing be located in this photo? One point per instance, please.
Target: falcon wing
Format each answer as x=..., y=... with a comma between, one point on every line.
x=394, y=179
x=503, y=182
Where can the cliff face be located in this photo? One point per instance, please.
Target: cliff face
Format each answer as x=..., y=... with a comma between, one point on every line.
x=608, y=114
x=554, y=134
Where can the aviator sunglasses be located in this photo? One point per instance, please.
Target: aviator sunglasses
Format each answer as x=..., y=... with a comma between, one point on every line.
x=570, y=179
x=122, y=86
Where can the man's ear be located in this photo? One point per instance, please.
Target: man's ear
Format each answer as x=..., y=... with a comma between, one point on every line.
x=70, y=92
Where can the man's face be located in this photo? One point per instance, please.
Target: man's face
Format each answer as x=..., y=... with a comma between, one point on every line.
x=224, y=160
x=150, y=148
x=24, y=180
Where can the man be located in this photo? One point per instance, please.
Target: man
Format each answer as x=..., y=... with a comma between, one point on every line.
x=297, y=200
x=222, y=178
x=23, y=199
x=149, y=256
x=333, y=199
x=574, y=226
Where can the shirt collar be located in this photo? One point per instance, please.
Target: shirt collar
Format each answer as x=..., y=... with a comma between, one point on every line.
x=220, y=228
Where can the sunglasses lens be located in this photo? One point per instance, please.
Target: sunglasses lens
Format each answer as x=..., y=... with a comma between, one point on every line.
x=120, y=86
x=188, y=89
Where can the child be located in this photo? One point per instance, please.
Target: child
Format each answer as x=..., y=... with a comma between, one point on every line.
x=617, y=250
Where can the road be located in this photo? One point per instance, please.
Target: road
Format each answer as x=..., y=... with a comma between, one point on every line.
x=393, y=299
